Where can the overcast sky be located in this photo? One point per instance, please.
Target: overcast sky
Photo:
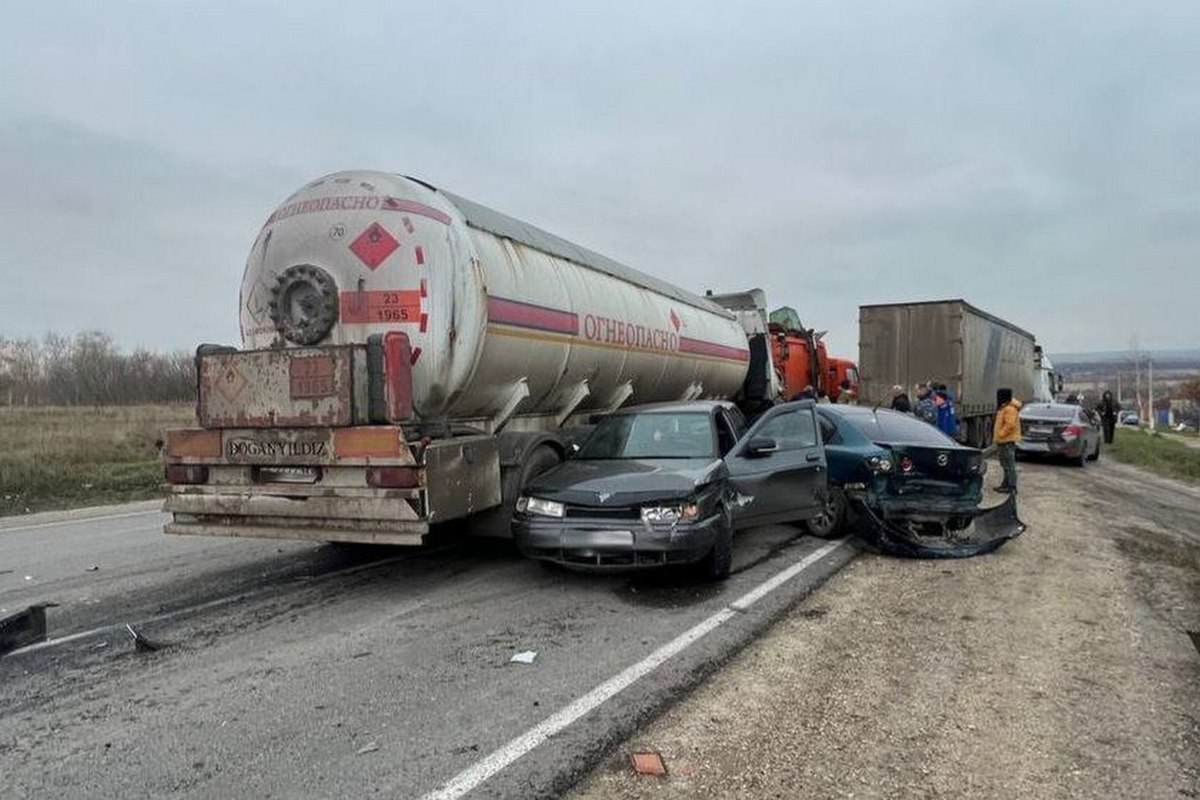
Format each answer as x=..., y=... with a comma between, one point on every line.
x=1039, y=159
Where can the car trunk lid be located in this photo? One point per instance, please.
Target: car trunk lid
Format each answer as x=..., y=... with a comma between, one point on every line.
x=942, y=470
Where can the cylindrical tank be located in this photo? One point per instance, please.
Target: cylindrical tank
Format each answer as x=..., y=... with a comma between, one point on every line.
x=503, y=318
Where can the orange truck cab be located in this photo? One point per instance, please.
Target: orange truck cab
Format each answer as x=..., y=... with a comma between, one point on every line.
x=843, y=369
x=799, y=354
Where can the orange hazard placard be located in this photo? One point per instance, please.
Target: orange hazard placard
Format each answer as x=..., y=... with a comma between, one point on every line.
x=382, y=306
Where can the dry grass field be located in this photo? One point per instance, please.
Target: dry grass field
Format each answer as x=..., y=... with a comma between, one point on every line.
x=68, y=457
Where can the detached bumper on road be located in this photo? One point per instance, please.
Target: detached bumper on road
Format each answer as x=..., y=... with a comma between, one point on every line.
x=606, y=544
x=988, y=530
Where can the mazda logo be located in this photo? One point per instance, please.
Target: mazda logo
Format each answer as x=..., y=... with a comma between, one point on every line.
x=943, y=459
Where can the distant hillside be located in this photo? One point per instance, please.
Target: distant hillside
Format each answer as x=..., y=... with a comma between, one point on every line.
x=1177, y=357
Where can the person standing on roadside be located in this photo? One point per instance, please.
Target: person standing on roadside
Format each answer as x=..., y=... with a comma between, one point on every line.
x=925, y=409
x=900, y=401
x=845, y=396
x=947, y=417
x=1006, y=433
x=1108, y=410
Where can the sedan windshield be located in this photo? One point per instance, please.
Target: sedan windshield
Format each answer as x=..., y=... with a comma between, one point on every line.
x=890, y=427
x=651, y=435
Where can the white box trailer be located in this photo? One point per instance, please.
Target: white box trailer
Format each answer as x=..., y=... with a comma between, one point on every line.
x=412, y=357
x=945, y=341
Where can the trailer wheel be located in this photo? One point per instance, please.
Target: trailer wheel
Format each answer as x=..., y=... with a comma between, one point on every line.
x=513, y=479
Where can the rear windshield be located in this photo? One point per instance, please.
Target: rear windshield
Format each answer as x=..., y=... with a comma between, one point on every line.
x=888, y=426
x=1049, y=412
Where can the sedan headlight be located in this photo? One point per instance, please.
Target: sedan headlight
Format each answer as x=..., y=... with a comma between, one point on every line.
x=668, y=514
x=539, y=507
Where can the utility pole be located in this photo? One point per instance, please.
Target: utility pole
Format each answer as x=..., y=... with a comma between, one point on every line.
x=1150, y=388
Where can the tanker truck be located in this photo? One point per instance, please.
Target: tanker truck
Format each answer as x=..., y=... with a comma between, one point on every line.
x=410, y=357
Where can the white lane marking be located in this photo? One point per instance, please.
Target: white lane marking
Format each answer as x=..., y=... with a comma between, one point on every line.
x=771, y=584
x=473, y=776
x=79, y=521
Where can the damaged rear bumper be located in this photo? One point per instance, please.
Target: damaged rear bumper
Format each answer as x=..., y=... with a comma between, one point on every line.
x=920, y=535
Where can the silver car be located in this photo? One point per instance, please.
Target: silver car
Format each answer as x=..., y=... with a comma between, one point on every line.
x=1060, y=430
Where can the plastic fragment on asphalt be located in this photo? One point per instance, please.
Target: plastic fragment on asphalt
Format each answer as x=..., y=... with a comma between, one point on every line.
x=369, y=747
x=524, y=657
x=648, y=762
x=92, y=568
x=141, y=643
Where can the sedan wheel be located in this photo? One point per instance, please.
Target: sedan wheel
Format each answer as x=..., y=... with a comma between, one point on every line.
x=717, y=565
x=827, y=522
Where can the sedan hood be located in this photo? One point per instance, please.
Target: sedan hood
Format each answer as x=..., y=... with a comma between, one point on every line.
x=624, y=482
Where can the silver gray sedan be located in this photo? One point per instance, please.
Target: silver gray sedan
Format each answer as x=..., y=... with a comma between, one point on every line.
x=1060, y=430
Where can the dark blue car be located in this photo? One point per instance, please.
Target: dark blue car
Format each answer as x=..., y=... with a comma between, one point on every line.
x=905, y=484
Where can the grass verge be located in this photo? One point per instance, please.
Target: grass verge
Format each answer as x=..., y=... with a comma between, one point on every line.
x=52, y=458
x=1159, y=454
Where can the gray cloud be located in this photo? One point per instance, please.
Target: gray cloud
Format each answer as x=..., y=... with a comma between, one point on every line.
x=1035, y=158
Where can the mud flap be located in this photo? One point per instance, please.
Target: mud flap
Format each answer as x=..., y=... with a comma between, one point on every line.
x=988, y=531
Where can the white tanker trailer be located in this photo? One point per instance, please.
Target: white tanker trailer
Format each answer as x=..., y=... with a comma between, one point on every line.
x=412, y=357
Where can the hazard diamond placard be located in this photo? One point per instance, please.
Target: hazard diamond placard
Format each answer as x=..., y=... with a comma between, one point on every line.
x=374, y=245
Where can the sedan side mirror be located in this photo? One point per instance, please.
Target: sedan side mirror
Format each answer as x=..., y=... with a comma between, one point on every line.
x=760, y=447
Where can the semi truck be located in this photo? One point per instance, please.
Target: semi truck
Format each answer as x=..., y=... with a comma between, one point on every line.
x=945, y=341
x=410, y=357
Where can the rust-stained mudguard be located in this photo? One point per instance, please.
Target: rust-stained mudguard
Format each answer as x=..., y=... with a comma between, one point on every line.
x=988, y=531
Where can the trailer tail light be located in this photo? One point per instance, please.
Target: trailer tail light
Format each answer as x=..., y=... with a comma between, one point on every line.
x=398, y=364
x=1072, y=432
x=393, y=478
x=181, y=474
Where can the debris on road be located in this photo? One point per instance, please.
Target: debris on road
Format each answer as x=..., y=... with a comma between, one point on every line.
x=525, y=657
x=986, y=533
x=648, y=762
x=92, y=568
x=369, y=747
x=140, y=643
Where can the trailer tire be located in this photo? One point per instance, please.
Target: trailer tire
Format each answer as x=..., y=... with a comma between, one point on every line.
x=497, y=522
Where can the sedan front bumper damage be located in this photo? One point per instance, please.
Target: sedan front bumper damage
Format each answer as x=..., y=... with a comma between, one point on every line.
x=604, y=544
x=924, y=536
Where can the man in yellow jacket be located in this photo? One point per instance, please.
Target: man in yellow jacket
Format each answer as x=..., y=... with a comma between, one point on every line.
x=1006, y=434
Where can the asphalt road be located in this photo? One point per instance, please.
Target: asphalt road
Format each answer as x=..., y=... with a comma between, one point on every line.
x=298, y=670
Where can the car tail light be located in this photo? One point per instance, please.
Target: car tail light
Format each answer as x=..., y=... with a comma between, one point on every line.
x=879, y=464
x=392, y=478
x=186, y=474
x=1072, y=432
x=906, y=464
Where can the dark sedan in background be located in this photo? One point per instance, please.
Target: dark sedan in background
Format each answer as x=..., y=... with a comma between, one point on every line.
x=669, y=483
x=1060, y=430
x=907, y=486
